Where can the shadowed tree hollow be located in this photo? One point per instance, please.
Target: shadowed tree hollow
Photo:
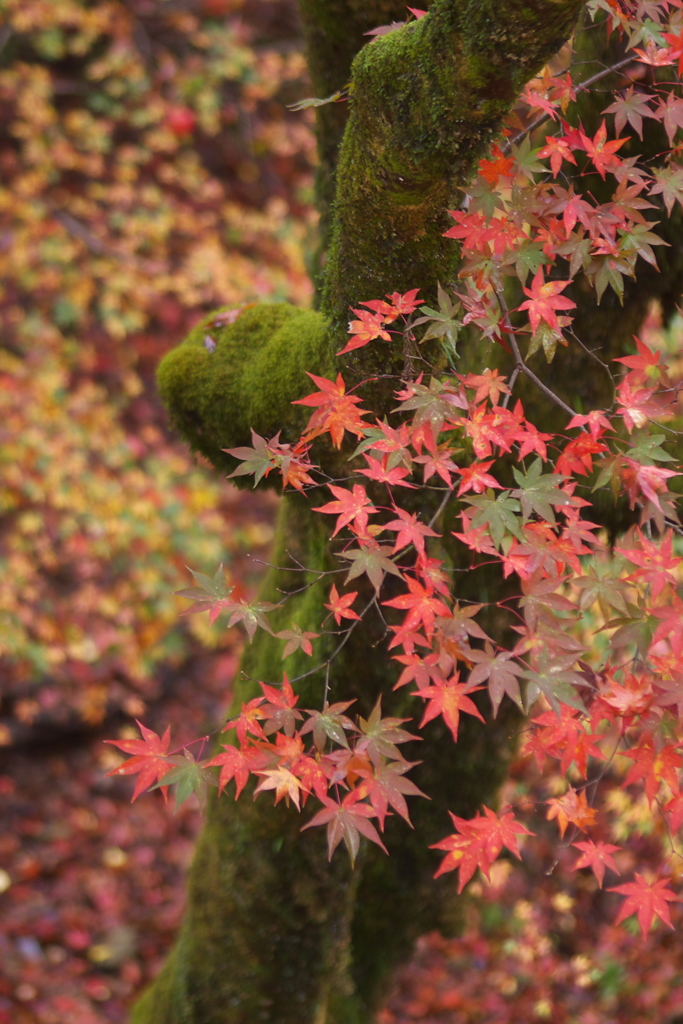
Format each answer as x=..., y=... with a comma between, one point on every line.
x=273, y=931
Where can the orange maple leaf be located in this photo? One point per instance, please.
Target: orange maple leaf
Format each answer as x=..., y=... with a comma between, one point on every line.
x=571, y=808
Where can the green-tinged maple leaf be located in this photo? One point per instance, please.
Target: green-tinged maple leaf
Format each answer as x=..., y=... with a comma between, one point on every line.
x=257, y=461
x=380, y=736
x=600, y=585
x=669, y=185
x=498, y=513
x=539, y=492
x=529, y=258
x=526, y=158
x=501, y=672
x=578, y=249
x=284, y=782
x=212, y=594
x=347, y=821
x=462, y=623
x=433, y=404
x=542, y=603
x=546, y=338
x=251, y=615
x=640, y=239
x=309, y=102
x=297, y=639
x=647, y=449
x=609, y=271
x=329, y=724
x=188, y=776
x=443, y=323
x=554, y=677
x=386, y=787
x=373, y=561
x=637, y=629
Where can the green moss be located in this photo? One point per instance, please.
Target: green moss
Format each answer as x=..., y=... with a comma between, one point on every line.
x=427, y=100
x=224, y=380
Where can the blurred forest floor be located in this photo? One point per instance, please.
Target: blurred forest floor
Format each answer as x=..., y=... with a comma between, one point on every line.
x=151, y=170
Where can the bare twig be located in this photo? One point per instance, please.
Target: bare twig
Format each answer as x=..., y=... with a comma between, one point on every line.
x=581, y=88
x=520, y=365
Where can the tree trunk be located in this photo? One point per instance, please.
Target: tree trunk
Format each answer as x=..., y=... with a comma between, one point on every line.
x=273, y=932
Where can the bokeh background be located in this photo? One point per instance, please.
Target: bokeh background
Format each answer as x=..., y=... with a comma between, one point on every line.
x=151, y=169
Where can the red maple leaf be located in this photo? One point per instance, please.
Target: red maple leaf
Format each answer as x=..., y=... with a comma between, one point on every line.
x=671, y=626
x=351, y=507
x=597, y=856
x=499, y=166
x=248, y=721
x=544, y=299
x=558, y=149
x=571, y=808
x=653, y=765
x=646, y=361
x=475, y=478
x=488, y=384
x=577, y=456
x=385, y=786
x=566, y=738
x=150, y=759
x=649, y=481
x=449, y=698
x=340, y=605
x=347, y=821
x=601, y=152
x=480, y=841
x=675, y=47
x=336, y=411
x=657, y=562
x=279, y=709
x=236, y=763
x=410, y=531
x=646, y=899
x=596, y=421
x=366, y=328
x=379, y=470
x=674, y=812
x=421, y=604
x=398, y=305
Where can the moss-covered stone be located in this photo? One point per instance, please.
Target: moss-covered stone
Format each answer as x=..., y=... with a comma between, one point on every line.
x=242, y=369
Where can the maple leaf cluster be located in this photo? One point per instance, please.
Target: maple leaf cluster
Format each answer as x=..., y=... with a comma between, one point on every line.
x=594, y=652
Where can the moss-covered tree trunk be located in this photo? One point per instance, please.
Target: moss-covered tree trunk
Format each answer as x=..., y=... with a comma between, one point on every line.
x=273, y=932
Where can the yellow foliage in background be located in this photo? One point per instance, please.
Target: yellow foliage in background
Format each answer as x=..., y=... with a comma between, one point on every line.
x=149, y=170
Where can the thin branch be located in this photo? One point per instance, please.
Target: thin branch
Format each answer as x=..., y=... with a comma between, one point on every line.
x=444, y=501
x=97, y=246
x=581, y=88
x=6, y=34
x=520, y=365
